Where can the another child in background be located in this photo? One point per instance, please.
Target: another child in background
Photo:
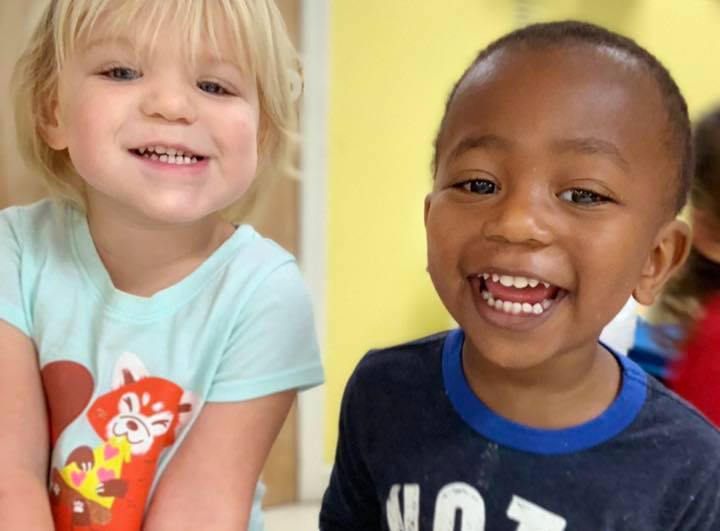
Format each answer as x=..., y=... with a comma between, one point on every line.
x=167, y=342
x=561, y=162
x=686, y=318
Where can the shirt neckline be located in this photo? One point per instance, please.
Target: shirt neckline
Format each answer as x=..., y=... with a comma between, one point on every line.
x=135, y=307
x=618, y=416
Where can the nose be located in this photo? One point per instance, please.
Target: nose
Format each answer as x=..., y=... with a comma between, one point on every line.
x=170, y=100
x=520, y=217
x=132, y=425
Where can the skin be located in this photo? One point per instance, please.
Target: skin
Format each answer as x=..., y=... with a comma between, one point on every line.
x=111, y=100
x=154, y=224
x=24, y=439
x=552, y=165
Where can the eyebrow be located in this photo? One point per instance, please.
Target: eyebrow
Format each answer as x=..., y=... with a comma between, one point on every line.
x=580, y=145
x=219, y=60
x=104, y=41
x=592, y=146
x=480, y=141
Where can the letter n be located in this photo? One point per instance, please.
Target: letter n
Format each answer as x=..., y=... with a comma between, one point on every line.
x=407, y=519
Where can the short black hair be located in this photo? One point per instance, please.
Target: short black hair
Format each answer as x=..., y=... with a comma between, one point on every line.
x=571, y=32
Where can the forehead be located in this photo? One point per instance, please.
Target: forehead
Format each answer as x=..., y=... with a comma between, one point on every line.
x=197, y=29
x=537, y=97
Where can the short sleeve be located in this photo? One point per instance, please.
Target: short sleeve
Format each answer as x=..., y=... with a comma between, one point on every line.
x=350, y=501
x=11, y=300
x=703, y=510
x=273, y=346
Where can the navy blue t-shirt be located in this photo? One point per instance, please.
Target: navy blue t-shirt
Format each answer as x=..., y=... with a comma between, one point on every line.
x=418, y=451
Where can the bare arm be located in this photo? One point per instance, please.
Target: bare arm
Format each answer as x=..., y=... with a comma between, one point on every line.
x=24, y=442
x=210, y=482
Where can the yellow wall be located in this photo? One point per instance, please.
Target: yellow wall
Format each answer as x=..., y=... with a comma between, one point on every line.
x=392, y=64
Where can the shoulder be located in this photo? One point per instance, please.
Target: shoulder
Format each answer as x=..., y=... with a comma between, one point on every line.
x=683, y=428
x=32, y=230
x=253, y=265
x=258, y=250
x=42, y=213
x=414, y=364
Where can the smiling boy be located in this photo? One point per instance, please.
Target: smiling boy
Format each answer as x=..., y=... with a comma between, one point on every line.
x=561, y=162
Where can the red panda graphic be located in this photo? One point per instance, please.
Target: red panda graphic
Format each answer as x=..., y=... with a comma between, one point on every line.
x=142, y=411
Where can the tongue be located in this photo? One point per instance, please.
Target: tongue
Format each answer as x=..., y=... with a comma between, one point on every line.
x=530, y=295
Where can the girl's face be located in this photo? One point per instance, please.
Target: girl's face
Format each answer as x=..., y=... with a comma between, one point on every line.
x=154, y=138
x=550, y=202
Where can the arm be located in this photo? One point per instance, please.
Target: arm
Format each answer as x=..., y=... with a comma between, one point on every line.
x=350, y=502
x=24, y=442
x=210, y=482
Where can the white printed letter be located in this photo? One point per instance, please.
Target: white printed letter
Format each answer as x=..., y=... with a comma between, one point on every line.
x=407, y=520
x=531, y=517
x=462, y=497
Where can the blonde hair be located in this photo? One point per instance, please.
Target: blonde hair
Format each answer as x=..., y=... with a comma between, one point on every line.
x=260, y=43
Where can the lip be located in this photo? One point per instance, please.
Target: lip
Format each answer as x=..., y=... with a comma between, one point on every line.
x=511, y=322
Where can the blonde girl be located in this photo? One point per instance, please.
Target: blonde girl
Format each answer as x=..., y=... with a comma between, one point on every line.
x=150, y=347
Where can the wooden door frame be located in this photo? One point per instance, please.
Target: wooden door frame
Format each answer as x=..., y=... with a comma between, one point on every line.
x=314, y=472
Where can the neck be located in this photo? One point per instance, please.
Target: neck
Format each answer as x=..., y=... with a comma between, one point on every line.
x=566, y=391
x=143, y=258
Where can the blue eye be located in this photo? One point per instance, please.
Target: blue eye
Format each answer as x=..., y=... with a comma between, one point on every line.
x=477, y=186
x=121, y=73
x=583, y=197
x=213, y=88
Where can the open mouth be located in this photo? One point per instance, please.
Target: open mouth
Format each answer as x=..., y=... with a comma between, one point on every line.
x=516, y=295
x=168, y=155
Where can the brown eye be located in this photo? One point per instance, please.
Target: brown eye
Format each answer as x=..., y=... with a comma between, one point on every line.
x=583, y=197
x=477, y=186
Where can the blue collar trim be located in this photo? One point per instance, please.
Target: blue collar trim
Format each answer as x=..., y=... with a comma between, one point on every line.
x=618, y=416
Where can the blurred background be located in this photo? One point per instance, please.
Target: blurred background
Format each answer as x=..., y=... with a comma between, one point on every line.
x=377, y=73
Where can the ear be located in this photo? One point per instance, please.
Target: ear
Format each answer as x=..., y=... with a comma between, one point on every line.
x=51, y=128
x=129, y=369
x=670, y=249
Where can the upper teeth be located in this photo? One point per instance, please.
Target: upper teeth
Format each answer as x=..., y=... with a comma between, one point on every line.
x=514, y=281
x=161, y=150
x=169, y=155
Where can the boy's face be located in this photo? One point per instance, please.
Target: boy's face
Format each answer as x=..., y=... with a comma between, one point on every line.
x=151, y=135
x=550, y=205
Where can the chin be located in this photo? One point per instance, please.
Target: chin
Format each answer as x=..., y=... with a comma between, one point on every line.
x=180, y=212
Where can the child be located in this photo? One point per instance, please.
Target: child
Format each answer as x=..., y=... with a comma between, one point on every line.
x=560, y=164
x=687, y=314
x=167, y=342
x=669, y=321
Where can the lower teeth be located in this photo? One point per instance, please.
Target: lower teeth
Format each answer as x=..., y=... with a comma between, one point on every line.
x=516, y=308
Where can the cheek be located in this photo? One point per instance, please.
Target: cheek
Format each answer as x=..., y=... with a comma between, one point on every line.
x=444, y=244
x=90, y=129
x=238, y=131
x=613, y=264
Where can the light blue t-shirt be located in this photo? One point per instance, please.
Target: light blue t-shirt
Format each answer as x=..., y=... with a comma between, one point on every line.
x=126, y=376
